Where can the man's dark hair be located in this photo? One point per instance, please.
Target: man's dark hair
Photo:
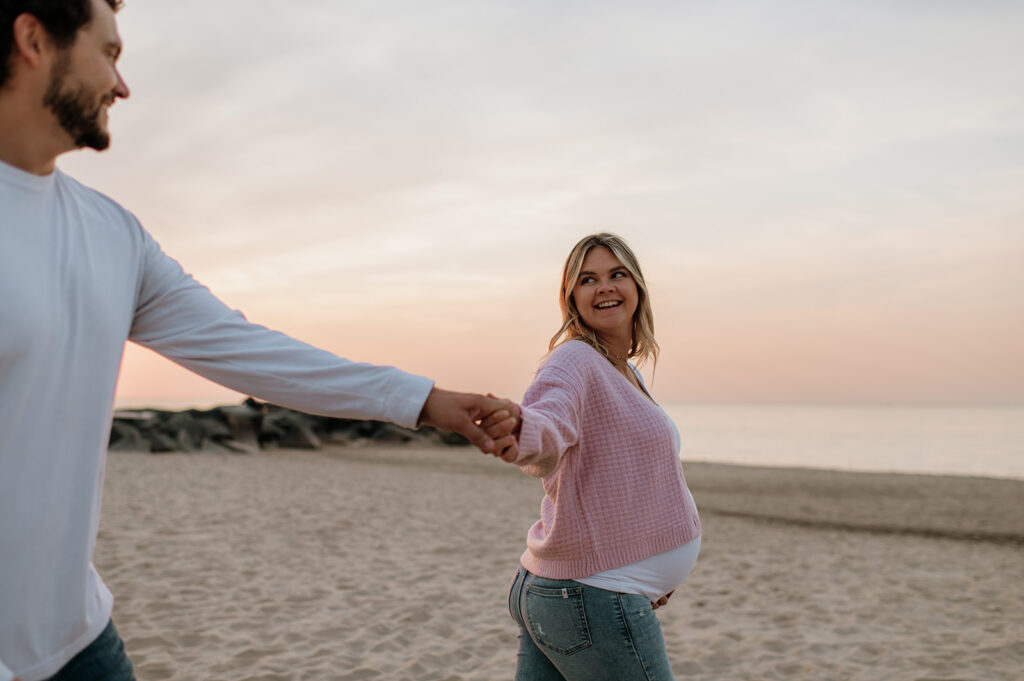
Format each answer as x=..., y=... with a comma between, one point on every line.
x=61, y=18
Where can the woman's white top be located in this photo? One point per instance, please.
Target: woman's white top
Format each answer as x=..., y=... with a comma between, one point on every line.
x=656, y=575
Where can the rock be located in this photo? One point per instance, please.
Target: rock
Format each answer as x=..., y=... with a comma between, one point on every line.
x=125, y=437
x=389, y=433
x=160, y=443
x=454, y=439
x=243, y=423
x=237, y=447
x=252, y=426
x=213, y=429
x=289, y=429
x=184, y=429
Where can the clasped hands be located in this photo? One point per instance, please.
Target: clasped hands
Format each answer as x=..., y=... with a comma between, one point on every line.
x=489, y=422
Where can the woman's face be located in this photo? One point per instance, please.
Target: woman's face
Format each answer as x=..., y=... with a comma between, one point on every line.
x=605, y=294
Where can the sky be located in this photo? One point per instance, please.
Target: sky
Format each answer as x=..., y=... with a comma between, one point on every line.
x=825, y=197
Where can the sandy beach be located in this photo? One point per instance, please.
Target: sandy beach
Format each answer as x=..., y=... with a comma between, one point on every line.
x=369, y=563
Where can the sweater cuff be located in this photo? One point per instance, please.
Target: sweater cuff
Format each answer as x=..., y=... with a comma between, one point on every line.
x=531, y=458
x=528, y=438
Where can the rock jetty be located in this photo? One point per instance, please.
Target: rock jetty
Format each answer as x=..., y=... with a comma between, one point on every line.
x=252, y=426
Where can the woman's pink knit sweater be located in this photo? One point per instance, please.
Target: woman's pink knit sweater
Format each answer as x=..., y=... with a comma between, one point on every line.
x=615, y=487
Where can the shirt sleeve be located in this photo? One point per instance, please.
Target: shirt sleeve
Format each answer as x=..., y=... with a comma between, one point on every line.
x=182, y=320
x=5, y=673
x=551, y=415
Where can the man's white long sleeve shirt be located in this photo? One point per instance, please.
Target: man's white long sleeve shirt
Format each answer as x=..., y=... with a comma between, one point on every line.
x=78, y=277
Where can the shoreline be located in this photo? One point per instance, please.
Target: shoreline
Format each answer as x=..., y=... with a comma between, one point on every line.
x=942, y=506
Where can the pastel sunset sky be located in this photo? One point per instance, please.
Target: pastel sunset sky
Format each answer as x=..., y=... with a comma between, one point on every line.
x=826, y=197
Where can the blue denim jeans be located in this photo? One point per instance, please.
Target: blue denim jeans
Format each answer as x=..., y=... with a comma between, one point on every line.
x=102, y=660
x=573, y=632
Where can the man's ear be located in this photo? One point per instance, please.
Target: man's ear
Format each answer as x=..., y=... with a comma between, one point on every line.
x=31, y=40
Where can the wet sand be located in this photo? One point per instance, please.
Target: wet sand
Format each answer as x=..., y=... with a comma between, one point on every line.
x=370, y=563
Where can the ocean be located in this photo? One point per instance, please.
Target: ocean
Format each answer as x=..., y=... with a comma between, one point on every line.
x=970, y=440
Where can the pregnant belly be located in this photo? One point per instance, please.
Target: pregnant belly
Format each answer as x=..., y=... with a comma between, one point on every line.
x=652, y=577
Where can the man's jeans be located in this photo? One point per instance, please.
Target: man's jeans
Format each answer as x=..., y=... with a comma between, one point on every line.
x=102, y=660
x=573, y=632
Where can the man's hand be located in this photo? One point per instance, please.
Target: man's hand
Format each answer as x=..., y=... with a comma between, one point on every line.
x=462, y=412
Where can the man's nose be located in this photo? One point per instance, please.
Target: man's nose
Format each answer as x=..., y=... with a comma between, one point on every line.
x=121, y=88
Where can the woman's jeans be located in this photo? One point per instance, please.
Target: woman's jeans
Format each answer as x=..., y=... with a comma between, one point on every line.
x=102, y=660
x=573, y=632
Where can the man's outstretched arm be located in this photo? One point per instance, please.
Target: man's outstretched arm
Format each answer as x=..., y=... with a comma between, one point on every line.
x=180, y=319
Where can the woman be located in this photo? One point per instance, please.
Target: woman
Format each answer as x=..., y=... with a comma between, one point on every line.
x=618, y=528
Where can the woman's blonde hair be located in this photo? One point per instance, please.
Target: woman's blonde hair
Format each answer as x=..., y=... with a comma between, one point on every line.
x=642, y=346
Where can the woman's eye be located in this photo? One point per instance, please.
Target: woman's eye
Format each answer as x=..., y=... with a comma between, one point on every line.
x=586, y=280
x=618, y=275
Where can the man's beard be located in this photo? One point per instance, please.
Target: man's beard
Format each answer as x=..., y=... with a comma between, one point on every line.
x=76, y=110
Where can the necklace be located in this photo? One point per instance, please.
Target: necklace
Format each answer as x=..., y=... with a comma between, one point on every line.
x=620, y=358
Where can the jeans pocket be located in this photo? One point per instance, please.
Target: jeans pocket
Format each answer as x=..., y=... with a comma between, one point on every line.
x=513, y=596
x=557, y=619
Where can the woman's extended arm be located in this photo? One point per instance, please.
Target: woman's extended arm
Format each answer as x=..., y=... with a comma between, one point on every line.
x=549, y=420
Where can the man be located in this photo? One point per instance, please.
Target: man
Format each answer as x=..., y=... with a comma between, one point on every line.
x=78, y=277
